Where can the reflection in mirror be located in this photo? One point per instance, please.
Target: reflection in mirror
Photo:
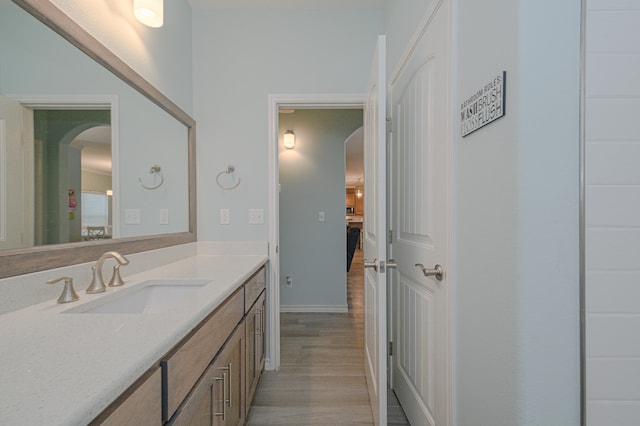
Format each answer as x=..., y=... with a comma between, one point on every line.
x=47, y=205
x=71, y=160
x=76, y=213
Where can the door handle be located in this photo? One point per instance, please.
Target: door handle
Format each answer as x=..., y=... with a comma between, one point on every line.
x=436, y=272
x=373, y=264
x=391, y=264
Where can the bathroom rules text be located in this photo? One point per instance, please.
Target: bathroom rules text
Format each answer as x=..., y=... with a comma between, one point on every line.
x=484, y=106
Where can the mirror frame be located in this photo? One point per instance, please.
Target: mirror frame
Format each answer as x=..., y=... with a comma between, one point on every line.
x=38, y=258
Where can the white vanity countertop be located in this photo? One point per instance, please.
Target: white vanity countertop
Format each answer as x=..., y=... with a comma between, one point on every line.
x=65, y=368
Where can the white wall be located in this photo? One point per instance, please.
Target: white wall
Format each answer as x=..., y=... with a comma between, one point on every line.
x=402, y=18
x=161, y=55
x=517, y=183
x=612, y=212
x=147, y=135
x=240, y=57
x=312, y=179
x=515, y=293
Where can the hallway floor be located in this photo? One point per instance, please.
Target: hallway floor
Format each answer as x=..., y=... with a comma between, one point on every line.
x=321, y=379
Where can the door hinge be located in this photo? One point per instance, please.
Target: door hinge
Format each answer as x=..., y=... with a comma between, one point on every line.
x=390, y=236
x=389, y=125
x=390, y=348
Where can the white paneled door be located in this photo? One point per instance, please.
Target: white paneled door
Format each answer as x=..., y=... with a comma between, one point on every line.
x=375, y=243
x=419, y=210
x=612, y=213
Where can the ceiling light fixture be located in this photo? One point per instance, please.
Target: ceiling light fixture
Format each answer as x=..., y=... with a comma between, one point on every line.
x=289, y=139
x=149, y=12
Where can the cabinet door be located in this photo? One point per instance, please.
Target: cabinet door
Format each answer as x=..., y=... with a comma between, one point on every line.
x=359, y=205
x=350, y=200
x=228, y=395
x=217, y=399
x=255, y=325
x=261, y=335
x=252, y=321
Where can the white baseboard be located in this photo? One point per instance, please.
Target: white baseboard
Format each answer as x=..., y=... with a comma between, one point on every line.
x=337, y=309
x=267, y=364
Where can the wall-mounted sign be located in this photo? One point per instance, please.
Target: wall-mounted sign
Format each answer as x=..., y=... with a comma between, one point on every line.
x=484, y=106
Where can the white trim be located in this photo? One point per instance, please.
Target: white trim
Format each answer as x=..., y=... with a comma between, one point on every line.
x=47, y=101
x=3, y=180
x=338, y=309
x=275, y=101
x=267, y=364
x=411, y=46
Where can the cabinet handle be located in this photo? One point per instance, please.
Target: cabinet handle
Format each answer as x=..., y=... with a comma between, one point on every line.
x=230, y=367
x=224, y=396
x=258, y=319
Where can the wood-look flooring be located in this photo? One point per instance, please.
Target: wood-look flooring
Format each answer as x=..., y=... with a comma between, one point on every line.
x=321, y=379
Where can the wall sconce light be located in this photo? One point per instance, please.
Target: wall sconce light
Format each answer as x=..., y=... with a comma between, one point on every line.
x=149, y=12
x=289, y=139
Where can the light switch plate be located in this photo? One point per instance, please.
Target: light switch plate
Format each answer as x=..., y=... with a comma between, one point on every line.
x=164, y=216
x=256, y=216
x=132, y=216
x=320, y=216
x=225, y=216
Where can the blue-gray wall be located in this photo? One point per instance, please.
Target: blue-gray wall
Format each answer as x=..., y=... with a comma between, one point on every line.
x=242, y=56
x=312, y=179
x=515, y=271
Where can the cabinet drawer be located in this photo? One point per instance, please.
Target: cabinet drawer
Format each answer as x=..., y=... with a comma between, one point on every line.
x=254, y=287
x=185, y=365
x=140, y=405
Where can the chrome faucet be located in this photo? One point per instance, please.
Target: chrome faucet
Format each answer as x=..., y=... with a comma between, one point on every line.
x=97, y=283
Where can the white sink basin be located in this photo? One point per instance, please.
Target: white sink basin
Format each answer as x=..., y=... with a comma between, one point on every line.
x=148, y=297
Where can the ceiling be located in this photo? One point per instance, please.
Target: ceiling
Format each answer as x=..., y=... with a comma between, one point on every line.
x=287, y=4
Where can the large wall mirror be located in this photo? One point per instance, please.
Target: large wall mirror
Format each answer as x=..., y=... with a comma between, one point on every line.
x=92, y=157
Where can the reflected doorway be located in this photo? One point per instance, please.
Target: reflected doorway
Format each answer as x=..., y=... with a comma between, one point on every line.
x=72, y=182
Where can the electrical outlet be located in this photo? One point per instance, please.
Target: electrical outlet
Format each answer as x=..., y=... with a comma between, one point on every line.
x=289, y=282
x=225, y=216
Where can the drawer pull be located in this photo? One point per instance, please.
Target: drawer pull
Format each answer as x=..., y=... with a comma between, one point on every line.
x=230, y=367
x=224, y=396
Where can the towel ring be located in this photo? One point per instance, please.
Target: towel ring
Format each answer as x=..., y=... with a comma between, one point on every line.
x=154, y=170
x=230, y=169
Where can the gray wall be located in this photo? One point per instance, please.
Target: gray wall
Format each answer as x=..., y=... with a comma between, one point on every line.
x=147, y=134
x=312, y=179
x=515, y=289
x=161, y=55
x=242, y=56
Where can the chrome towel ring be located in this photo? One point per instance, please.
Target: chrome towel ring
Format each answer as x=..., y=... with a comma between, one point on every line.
x=154, y=170
x=229, y=170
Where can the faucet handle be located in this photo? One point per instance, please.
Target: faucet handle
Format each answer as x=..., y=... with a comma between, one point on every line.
x=68, y=293
x=116, y=279
x=96, y=286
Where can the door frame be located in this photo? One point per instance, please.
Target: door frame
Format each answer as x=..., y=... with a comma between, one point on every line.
x=277, y=101
x=46, y=101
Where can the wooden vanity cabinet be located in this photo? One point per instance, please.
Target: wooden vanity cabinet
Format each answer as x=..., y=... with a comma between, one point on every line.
x=141, y=404
x=218, y=397
x=209, y=378
x=182, y=368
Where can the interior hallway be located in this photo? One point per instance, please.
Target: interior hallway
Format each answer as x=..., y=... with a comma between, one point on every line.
x=321, y=379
